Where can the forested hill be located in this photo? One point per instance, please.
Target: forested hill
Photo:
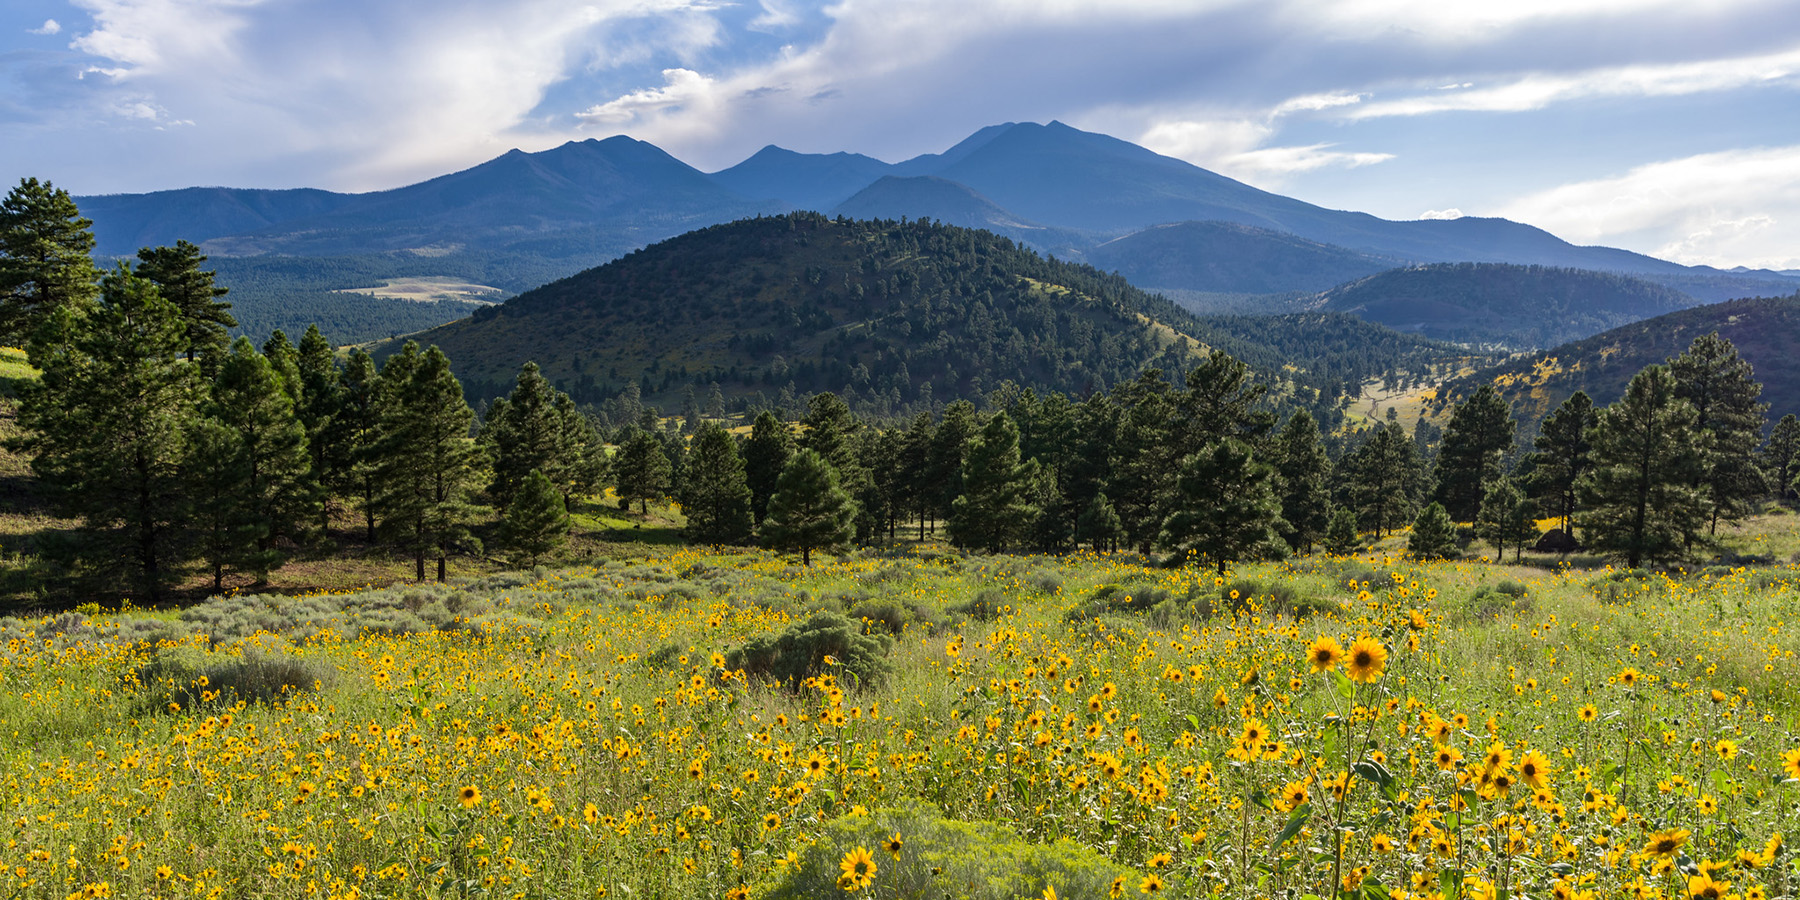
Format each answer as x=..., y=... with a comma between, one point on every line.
x=1765, y=330
x=1507, y=305
x=889, y=315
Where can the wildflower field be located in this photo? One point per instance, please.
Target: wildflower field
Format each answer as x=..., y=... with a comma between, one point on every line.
x=920, y=724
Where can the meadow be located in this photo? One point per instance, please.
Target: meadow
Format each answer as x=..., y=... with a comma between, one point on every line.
x=1080, y=726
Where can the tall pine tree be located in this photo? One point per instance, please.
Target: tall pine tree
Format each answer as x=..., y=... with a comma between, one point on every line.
x=1723, y=390
x=46, y=261
x=1560, y=457
x=1476, y=444
x=766, y=452
x=809, y=510
x=272, y=496
x=1640, y=496
x=1227, y=507
x=206, y=320
x=995, y=510
x=106, y=427
x=427, y=463
x=1305, y=472
x=716, y=498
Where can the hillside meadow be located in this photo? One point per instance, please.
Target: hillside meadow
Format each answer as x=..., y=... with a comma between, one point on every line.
x=944, y=725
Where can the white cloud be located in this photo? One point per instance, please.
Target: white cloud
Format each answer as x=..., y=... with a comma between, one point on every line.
x=1451, y=213
x=1727, y=208
x=685, y=89
x=50, y=26
x=1537, y=91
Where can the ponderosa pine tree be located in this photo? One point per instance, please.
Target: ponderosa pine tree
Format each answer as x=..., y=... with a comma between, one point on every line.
x=1781, y=457
x=1560, y=457
x=271, y=495
x=321, y=401
x=1433, y=534
x=284, y=357
x=528, y=431
x=106, y=427
x=914, y=461
x=1099, y=526
x=766, y=452
x=206, y=320
x=537, y=522
x=1148, y=452
x=1506, y=518
x=1341, y=538
x=1381, y=481
x=716, y=499
x=356, y=426
x=1227, y=508
x=994, y=511
x=1305, y=471
x=944, y=461
x=46, y=259
x=1640, y=497
x=1723, y=390
x=641, y=470
x=1476, y=443
x=809, y=510
x=426, y=462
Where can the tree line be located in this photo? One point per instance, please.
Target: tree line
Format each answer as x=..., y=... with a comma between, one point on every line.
x=178, y=450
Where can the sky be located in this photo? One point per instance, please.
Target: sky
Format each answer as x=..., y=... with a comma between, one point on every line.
x=1669, y=127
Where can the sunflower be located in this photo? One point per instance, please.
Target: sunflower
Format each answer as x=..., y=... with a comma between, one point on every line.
x=1367, y=659
x=1790, y=763
x=1535, y=769
x=1587, y=713
x=1665, y=843
x=1703, y=887
x=1324, y=653
x=859, y=869
x=1152, y=884
x=469, y=795
x=892, y=845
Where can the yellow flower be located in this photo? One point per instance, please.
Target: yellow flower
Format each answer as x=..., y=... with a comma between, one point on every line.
x=1367, y=660
x=1324, y=653
x=1790, y=763
x=892, y=845
x=1535, y=769
x=469, y=795
x=1152, y=884
x=1665, y=843
x=859, y=869
x=1703, y=887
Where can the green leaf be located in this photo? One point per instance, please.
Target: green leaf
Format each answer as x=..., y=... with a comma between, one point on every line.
x=1296, y=821
x=1345, y=687
x=1194, y=721
x=1450, y=883
x=1369, y=770
x=1261, y=799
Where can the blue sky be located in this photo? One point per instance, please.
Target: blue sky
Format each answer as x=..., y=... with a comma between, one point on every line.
x=1671, y=128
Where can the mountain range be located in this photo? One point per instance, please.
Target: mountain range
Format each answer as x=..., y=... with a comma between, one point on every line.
x=1164, y=223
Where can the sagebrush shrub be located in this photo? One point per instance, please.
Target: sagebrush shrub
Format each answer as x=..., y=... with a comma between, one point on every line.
x=800, y=652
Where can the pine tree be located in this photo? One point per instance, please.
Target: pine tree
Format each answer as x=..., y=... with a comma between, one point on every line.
x=1227, y=507
x=272, y=494
x=321, y=403
x=46, y=261
x=994, y=511
x=1723, y=390
x=1099, y=526
x=106, y=429
x=1781, y=457
x=1505, y=518
x=426, y=463
x=1640, y=497
x=944, y=461
x=766, y=452
x=1147, y=447
x=285, y=358
x=1476, y=443
x=1382, y=480
x=641, y=470
x=206, y=320
x=1305, y=472
x=1433, y=535
x=357, y=424
x=1561, y=457
x=716, y=499
x=808, y=511
x=537, y=522
x=529, y=431
x=1341, y=538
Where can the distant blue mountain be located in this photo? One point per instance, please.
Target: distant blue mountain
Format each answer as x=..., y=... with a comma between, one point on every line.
x=815, y=181
x=1056, y=188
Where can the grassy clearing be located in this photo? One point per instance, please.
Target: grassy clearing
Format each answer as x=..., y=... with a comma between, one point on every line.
x=1083, y=724
x=431, y=288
